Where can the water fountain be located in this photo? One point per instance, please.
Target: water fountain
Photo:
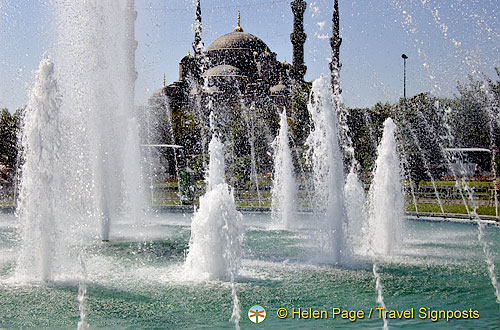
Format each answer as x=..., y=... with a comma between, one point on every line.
x=327, y=166
x=99, y=102
x=284, y=193
x=386, y=195
x=38, y=207
x=250, y=122
x=216, y=230
x=356, y=210
x=179, y=270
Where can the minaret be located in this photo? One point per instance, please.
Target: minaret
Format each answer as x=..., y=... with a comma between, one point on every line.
x=198, y=43
x=335, y=42
x=298, y=38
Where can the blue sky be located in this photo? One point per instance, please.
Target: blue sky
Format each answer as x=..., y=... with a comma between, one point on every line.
x=445, y=42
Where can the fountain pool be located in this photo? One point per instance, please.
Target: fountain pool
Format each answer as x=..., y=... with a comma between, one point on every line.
x=136, y=281
x=145, y=271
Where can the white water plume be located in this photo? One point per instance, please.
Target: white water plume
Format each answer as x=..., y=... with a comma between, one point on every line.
x=386, y=195
x=356, y=210
x=38, y=205
x=250, y=121
x=326, y=162
x=95, y=50
x=134, y=187
x=236, y=313
x=284, y=191
x=216, y=228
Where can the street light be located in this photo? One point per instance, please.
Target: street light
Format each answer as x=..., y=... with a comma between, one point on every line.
x=404, y=76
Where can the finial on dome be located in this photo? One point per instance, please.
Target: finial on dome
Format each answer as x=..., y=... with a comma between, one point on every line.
x=284, y=61
x=238, y=27
x=164, y=80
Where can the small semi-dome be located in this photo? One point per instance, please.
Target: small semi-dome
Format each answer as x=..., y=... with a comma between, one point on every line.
x=159, y=92
x=223, y=71
x=280, y=88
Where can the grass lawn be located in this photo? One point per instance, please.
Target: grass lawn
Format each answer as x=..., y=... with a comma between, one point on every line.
x=473, y=183
x=264, y=203
x=460, y=209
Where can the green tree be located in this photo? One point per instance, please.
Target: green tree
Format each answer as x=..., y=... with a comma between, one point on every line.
x=9, y=131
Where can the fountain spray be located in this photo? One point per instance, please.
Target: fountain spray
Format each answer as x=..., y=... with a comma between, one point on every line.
x=386, y=205
x=325, y=158
x=284, y=191
x=216, y=228
x=38, y=203
x=95, y=54
x=386, y=195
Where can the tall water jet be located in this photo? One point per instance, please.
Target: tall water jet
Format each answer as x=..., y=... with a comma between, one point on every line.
x=96, y=50
x=135, y=192
x=40, y=182
x=326, y=162
x=134, y=195
x=356, y=210
x=354, y=192
x=386, y=195
x=284, y=191
x=250, y=122
x=216, y=228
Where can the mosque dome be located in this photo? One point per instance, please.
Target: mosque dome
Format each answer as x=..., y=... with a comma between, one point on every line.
x=238, y=40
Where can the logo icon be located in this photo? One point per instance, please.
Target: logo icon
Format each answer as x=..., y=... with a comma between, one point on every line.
x=257, y=314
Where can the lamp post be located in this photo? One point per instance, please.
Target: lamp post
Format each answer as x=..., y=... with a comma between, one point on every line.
x=404, y=75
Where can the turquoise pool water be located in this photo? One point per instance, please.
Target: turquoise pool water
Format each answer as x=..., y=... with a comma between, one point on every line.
x=136, y=281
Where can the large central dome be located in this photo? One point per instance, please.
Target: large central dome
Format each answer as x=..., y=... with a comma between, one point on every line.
x=238, y=40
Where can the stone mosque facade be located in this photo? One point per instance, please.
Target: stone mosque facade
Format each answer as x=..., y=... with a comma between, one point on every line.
x=237, y=69
x=238, y=64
